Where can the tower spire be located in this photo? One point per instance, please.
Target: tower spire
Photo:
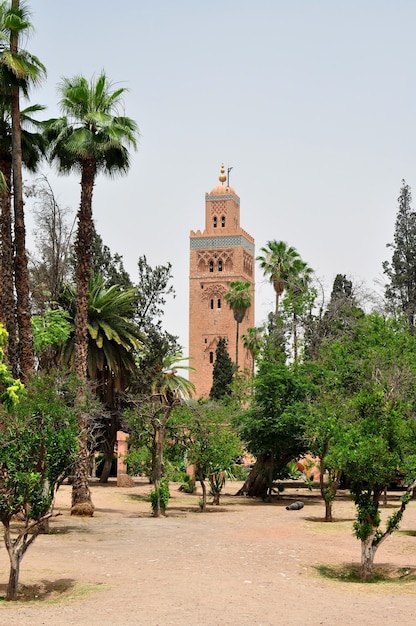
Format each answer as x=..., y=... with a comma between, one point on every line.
x=222, y=177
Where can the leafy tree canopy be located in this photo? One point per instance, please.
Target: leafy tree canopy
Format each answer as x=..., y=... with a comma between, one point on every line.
x=222, y=373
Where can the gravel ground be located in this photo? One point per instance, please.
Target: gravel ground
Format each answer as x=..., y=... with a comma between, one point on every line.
x=243, y=562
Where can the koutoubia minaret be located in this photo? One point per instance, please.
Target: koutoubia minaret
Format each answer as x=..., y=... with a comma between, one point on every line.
x=223, y=252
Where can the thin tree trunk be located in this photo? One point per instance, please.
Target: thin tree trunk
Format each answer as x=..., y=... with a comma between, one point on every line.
x=203, y=504
x=8, y=303
x=368, y=551
x=295, y=338
x=157, y=464
x=108, y=456
x=236, y=344
x=13, y=584
x=329, y=490
x=109, y=445
x=16, y=549
x=81, y=495
x=24, y=321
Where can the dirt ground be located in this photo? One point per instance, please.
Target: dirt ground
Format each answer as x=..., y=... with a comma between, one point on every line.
x=244, y=562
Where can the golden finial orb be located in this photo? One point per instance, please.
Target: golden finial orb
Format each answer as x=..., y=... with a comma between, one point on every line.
x=222, y=177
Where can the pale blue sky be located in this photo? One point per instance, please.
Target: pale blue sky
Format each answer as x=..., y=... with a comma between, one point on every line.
x=312, y=102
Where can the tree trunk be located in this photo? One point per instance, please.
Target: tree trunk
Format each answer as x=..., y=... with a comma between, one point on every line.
x=8, y=303
x=216, y=482
x=203, y=503
x=16, y=549
x=236, y=344
x=157, y=461
x=109, y=444
x=328, y=491
x=368, y=551
x=295, y=338
x=81, y=495
x=257, y=483
x=24, y=318
x=328, y=511
x=13, y=584
x=108, y=456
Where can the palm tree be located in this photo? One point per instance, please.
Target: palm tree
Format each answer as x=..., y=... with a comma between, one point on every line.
x=299, y=298
x=113, y=337
x=253, y=341
x=282, y=264
x=90, y=138
x=239, y=300
x=19, y=70
x=168, y=384
x=169, y=389
x=32, y=151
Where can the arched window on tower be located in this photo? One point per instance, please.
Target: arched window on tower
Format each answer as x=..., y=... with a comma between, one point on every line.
x=223, y=221
x=211, y=357
x=219, y=303
x=214, y=221
x=211, y=266
x=212, y=303
x=220, y=265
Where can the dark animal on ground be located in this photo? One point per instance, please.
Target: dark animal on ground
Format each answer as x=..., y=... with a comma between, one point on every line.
x=295, y=506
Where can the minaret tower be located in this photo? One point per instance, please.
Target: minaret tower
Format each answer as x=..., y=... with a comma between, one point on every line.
x=223, y=252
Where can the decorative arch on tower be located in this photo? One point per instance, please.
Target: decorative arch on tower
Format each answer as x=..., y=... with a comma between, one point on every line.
x=214, y=296
x=248, y=264
x=210, y=261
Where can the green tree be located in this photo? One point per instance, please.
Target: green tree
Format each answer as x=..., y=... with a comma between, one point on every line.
x=253, y=342
x=149, y=418
x=51, y=331
x=210, y=443
x=298, y=302
x=153, y=288
x=223, y=372
x=365, y=415
x=109, y=265
x=10, y=388
x=283, y=265
x=113, y=338
x=239, y=299
x=339, y=318
x=401, y=271
x=90, y=138
x=323, y=432
x=19, y=70
x=381, y=433
x=272, y=428
x=37, y=448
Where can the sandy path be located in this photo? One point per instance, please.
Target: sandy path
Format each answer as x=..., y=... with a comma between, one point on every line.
x=242, y=563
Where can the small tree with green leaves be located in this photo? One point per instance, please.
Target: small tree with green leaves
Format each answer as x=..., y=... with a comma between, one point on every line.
x=239, y=299
x=210, y=442
x=369, y=376
x=148, y=418
x=223, y=372
x=37, y=447
x=401, y=270
x=272, y=428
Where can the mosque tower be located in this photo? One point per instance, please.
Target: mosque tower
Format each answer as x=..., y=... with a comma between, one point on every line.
x=223, y=252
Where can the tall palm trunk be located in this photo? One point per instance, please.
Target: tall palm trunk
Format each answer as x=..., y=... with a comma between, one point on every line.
x=8, y=303
x=24, y=323
x=237, y=338
x=81, y=495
